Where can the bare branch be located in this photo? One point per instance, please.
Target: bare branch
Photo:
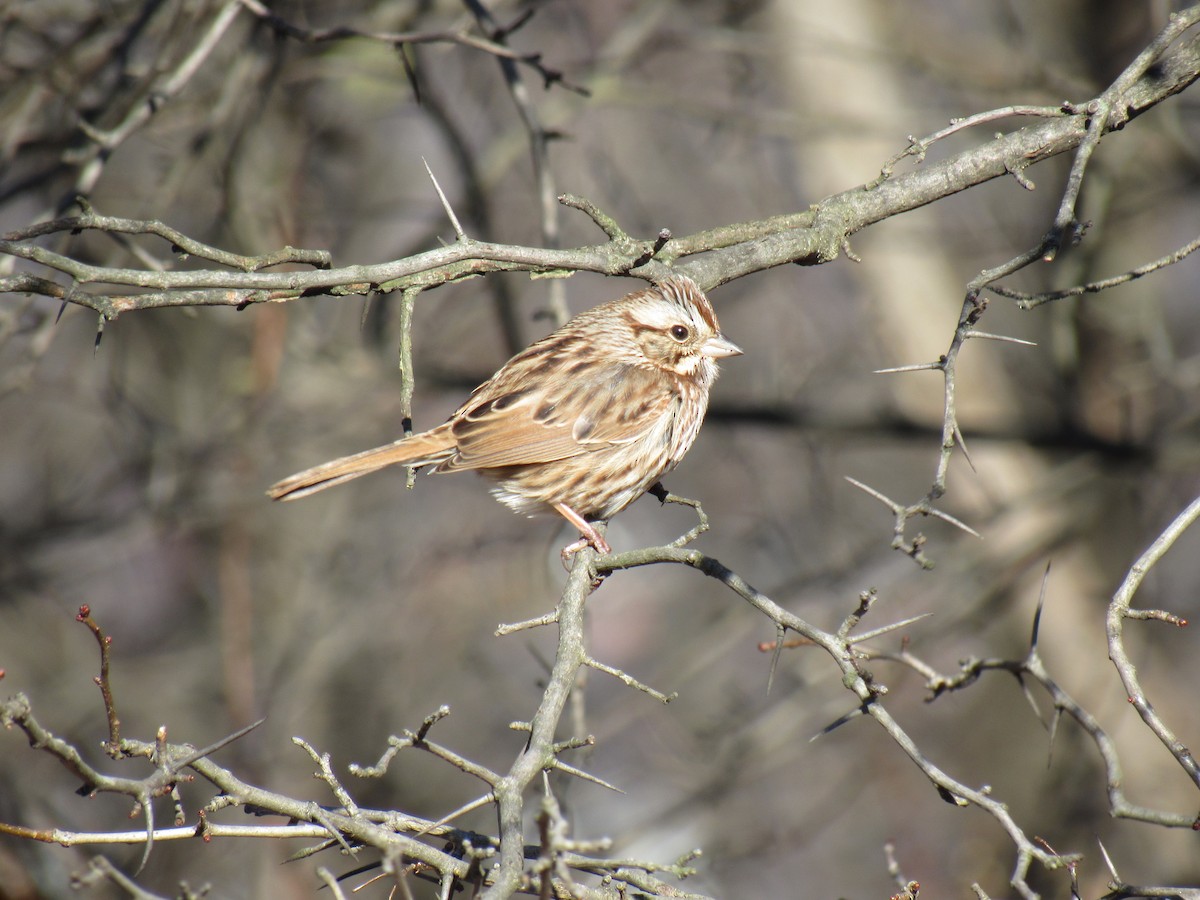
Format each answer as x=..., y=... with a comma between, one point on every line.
x=1118, y=609
x=1031, y=301
x=401, y=39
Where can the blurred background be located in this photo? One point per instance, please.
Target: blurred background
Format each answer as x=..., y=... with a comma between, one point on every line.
x=132, y=476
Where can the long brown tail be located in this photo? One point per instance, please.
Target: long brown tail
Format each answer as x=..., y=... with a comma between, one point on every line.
x=418, y=450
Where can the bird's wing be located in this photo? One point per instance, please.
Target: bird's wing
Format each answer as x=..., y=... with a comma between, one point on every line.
x=511, y=423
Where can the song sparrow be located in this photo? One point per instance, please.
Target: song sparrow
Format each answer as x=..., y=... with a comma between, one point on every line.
x=582, y=421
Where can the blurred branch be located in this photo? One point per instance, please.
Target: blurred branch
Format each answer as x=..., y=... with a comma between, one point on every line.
x=93, y=159
x=101, y=870
x=493, y=45
x=539, y=140
x=181, y=244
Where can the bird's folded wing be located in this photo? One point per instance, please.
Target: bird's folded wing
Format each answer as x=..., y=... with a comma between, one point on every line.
x=613, y=404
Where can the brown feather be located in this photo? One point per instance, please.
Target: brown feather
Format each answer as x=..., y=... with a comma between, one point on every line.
x=559, y=420
x=419, y=450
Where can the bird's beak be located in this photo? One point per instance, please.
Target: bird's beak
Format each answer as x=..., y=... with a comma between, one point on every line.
x=718, y=347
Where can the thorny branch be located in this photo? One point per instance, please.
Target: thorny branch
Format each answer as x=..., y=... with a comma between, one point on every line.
x=868, y=693
x=846, y=651
x=493, y=44
x=1120, y=609
x=1116, y=106
x=1032, y=669
x=1026, y=300
x=350, y=825
x=508, y=858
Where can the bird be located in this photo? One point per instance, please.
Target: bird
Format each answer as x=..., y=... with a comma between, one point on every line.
x=581, y=422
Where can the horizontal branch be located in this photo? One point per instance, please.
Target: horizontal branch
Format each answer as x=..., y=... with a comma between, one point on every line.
x=710, y=257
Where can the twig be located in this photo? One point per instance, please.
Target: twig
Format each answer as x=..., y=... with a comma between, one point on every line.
x=539, y=139
x=1033, y=669
x=539, y=752
x=549, y=618
x=180, y=242
x=1118, y=609
x=1031, y=301
x=1098, y=117
x=96, y=156
x=401, y=39
x=664, y=497
x=1027, y=851
x=918, y=147
x=903, y=514
x=113, y=746
x=628, y=680
x=325, y=773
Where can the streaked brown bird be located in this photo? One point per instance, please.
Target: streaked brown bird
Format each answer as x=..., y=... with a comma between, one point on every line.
x=582, y=422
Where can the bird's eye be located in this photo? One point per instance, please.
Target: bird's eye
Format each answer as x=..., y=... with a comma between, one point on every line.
x=680, y=332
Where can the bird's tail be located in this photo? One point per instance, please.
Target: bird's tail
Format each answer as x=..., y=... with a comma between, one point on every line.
x=419, y=450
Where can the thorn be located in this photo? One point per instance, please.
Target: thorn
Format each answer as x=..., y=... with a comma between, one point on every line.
x=1055, y=718
x=837, y=723
x=148, y=812
x=870, y=491
x=917, y=367
x=1041, y=604
x=987, y=335
x=1028, y=694
x=410, y=71
x=1112, y=870
x=957, y=523
x=779, y=633
x=962, y=444
x=567, y=769
x=458, y=229
x=885, y=629
x=489, y=797
x=217, y=745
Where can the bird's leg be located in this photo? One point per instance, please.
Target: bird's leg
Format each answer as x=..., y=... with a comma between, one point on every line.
x=588, y=535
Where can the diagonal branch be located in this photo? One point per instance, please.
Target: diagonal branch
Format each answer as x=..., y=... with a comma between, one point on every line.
x=1119, y=609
